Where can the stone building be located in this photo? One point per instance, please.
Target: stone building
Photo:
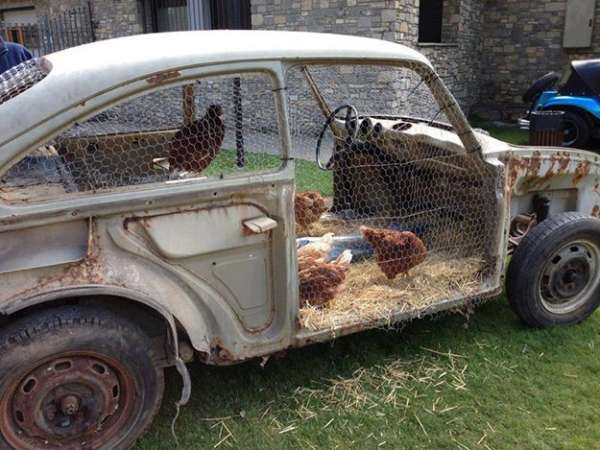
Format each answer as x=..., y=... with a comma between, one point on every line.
x=487, y=51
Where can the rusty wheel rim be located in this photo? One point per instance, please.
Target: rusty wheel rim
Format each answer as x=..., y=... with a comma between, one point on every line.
x=72, y=400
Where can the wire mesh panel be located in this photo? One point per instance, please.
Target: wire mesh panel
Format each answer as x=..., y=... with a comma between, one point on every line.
x=20, y=78
x=399, y=217
x=215, y=127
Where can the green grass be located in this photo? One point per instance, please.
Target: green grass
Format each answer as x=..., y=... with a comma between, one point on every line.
x=310, y=178
x=308, y=175
x=510, y=134
x=507, y=387
x=441, y=383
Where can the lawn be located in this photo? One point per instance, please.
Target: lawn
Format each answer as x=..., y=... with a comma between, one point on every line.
x=484, y=382
x=506, y=133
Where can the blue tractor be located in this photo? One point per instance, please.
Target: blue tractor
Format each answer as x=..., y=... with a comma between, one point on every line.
x=577, y=94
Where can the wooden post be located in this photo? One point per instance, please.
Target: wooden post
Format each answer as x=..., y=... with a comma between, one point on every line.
x=189, y=106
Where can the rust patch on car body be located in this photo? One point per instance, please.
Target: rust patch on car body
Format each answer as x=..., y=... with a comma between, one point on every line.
x=530, y=165
x=219, y=353
x=87, y=271
x=581, y=171
x=559, y=162
x=161, y=77
x=563, y=159
x=596, y=211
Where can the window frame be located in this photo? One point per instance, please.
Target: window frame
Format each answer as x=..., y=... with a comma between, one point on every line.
x=127, y=198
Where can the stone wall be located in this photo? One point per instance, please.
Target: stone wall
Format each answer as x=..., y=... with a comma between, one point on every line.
x=386, y=19
x=491, y=50
x=116, y=18
x=522, y=40
x=394, y=20
x=113, y=18
x=458, y=61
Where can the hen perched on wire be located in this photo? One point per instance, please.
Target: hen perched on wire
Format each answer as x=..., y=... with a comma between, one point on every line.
x=395, y=251
x=197, y=144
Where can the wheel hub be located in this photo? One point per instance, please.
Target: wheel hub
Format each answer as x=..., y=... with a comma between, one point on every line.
x=569, y=277
x=66, y=402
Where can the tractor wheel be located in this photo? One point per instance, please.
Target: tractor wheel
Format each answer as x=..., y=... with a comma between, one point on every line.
x=554, y=274
x=76, y=377
x=577, y=130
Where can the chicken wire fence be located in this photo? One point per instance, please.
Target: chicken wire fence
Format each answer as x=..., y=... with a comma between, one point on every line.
x=401, y=217
x=18, y=79
x=208, y=128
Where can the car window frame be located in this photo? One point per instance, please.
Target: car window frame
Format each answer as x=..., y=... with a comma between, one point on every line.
x=140, y=197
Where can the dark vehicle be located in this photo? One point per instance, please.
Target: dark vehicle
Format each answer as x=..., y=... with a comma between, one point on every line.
x=577, y=94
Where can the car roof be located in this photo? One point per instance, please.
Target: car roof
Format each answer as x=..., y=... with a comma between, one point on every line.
x=79, y=73
x=199, y=47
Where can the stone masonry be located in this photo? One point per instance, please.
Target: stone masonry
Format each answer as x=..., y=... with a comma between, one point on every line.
x=491, y=50
x=522, y=40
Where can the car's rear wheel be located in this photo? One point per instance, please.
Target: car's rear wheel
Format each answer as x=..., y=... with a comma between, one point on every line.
x=577, y=130
x=554, y=274
x=76, y=377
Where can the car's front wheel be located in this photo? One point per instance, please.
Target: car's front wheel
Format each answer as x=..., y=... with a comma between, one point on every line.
x=76, y=377
x=554, y=275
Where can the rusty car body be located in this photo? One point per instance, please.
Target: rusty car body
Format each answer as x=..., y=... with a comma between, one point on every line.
x=205, y=264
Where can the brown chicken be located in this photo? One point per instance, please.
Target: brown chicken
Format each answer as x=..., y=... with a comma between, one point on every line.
x=308, y=207
x=395, y=251
x=196, y=145
x=320, y=281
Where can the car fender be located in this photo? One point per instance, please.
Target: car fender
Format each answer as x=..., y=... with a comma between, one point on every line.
x=560, y=102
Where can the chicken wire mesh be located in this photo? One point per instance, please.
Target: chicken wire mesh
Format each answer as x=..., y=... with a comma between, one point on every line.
x=18, y=79
x=214, y=128
x=401, y=217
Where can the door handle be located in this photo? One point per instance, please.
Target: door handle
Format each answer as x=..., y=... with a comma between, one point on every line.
x=259, y=225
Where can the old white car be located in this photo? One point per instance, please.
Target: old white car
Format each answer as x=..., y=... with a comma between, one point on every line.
x=227, y=195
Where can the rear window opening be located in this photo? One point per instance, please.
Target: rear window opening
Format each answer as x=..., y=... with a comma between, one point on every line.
x=18, y=79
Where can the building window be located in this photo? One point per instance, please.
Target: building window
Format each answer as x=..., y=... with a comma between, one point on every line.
x=438, y=21
x=20, y=25
x=231, y=14
x=165, y=15
x=430, y=20
x=180, y=15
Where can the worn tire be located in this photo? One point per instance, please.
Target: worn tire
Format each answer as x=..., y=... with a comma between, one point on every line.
x=581, y=130
x=547, y=249
x=97, y=365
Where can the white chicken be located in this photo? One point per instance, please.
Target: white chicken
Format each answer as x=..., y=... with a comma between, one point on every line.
x=317, y=250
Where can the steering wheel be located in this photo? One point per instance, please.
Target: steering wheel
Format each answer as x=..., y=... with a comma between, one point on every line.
x=350, y=123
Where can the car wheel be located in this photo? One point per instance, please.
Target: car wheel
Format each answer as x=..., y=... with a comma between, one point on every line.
x=577, y=130
x=76, y=377
x=554, y=275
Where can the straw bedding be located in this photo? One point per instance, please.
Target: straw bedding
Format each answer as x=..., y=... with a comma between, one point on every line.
x=368, y=295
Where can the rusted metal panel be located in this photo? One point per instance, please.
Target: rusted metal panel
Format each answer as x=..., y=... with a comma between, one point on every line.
x=44, y=246
x=163, y=77
x=532, y=170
